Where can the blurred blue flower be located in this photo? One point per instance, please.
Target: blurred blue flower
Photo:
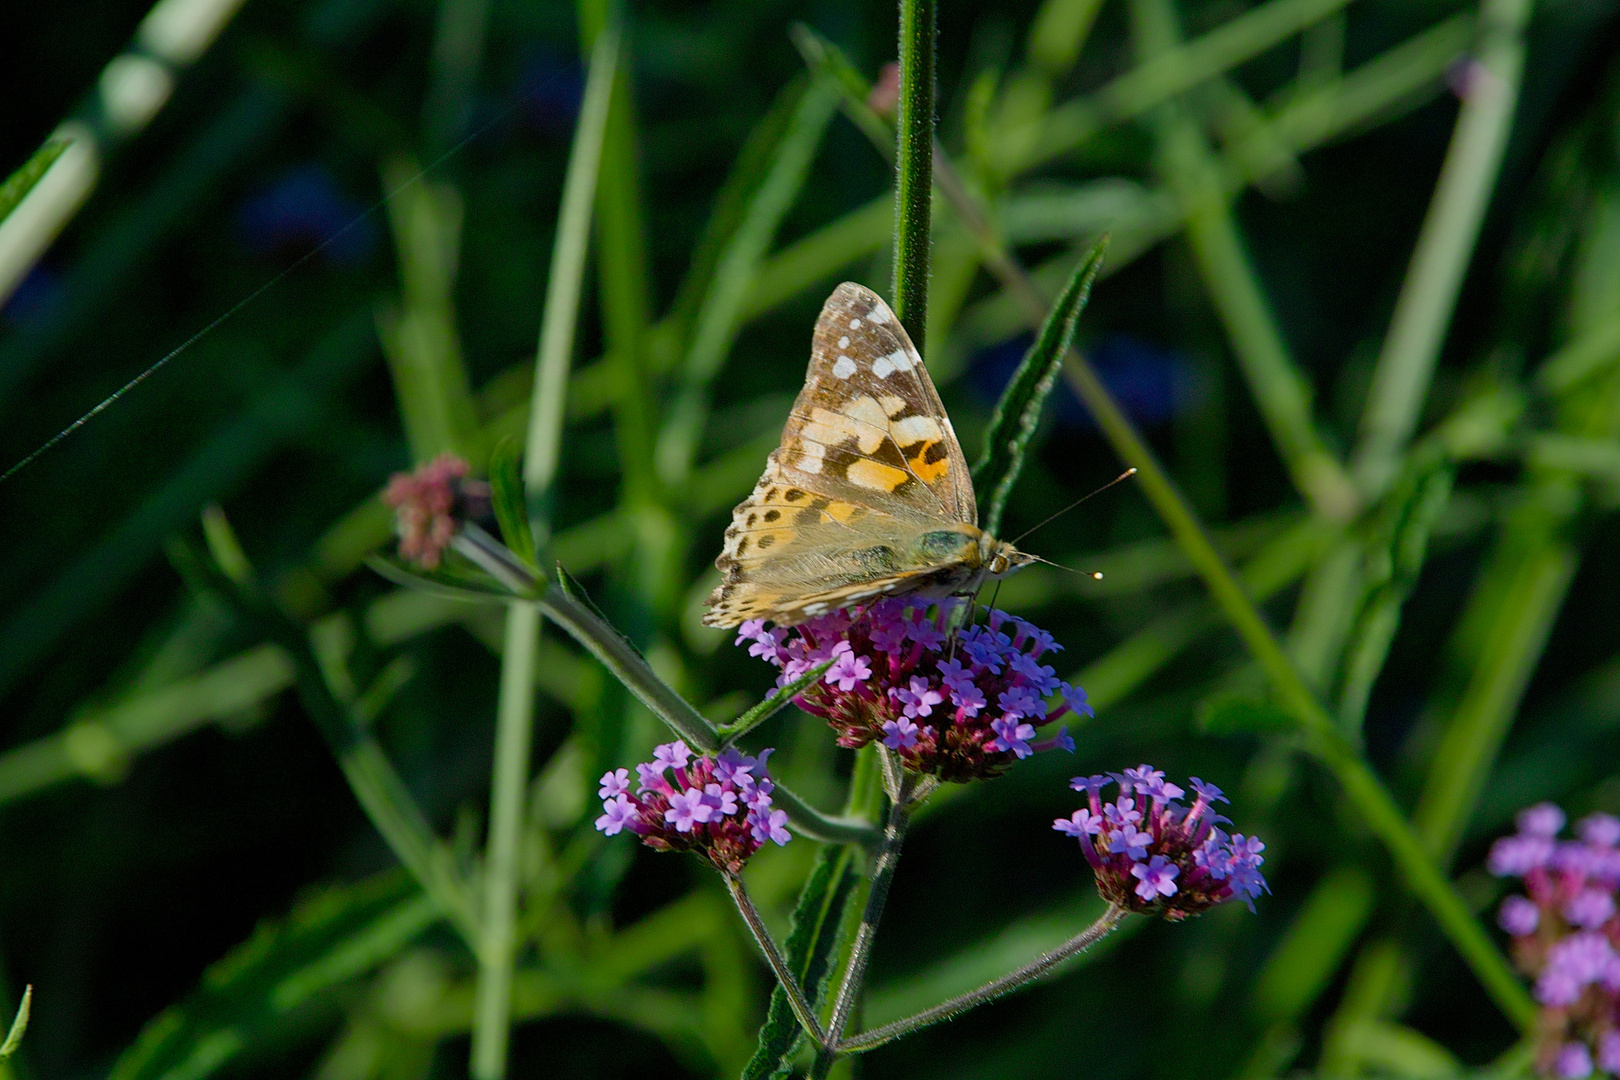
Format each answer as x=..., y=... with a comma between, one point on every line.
x=551, y=87
x=304, y=208
x=35, y=294
x=1150, y=383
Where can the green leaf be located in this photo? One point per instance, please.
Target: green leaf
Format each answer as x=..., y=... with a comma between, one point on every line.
x=1302, y=965
x=452, y=584
x=1017, y=414
x=511, y=502
x=283, y=967
x=811, y=946
x=19, y=1024
x=1233, y=712
x=21, y=182
x=829, y=65
x=762, y=712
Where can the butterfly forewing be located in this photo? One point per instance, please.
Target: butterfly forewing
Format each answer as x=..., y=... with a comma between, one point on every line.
x=868, y=462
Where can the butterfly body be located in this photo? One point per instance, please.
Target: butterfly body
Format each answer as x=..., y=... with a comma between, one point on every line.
x=869, y=494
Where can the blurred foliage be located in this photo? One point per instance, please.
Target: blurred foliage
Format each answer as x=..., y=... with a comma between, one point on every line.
x=1413, y=471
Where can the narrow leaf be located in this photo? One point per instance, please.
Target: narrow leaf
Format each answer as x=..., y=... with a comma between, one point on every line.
x=19, y=1024
x=444, y=582
x=511, y=506
x=284, y=966
x=1017, y=414
x=811, y=946
x=21, y=182
x=762, y=712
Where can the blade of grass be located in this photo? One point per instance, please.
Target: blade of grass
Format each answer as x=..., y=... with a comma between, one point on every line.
x=719, y=317
x=290, y=965
x=515, y=705
x=1446, y=244
x=28, y=174
x=1281, y=392
x=419, y=337
x=1066, y=127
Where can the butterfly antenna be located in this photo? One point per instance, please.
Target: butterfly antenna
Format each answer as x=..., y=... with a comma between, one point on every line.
x=1127, y=474
x=1095, y=575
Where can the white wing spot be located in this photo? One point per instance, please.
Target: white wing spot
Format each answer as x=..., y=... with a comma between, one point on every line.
x=854, y=324
x=879, y=315
x=845, y=367
x=843, y=342
x=882, y=367
x=898, y=360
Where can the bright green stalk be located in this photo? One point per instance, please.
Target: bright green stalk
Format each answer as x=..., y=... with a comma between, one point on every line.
x=1281, y=392
x=1446, y=245
x=515, y=709
x=1371, y=799
x=914, y=186
x=1069, y=125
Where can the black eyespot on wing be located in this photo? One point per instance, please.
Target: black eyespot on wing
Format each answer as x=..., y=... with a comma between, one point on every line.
x=764, y=542
x=793, y=495
x=770, y=515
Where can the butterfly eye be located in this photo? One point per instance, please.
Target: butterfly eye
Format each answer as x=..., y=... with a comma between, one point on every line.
x=998, y=564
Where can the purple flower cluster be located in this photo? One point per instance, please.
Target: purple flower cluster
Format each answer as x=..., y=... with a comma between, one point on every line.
x=1566, y=934
x=717, y=806
x=1150, y=853
x=960, y=705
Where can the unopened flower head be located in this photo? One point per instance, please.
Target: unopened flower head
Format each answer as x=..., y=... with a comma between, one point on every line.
x=718, y=806
x=955, y=704
x=429, y=505
x=1151, y=853
x=1564, y=930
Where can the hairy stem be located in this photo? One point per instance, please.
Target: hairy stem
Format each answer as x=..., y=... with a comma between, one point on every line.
x=860, y=953
x=914, y=189
x=1037, y=968
x=778, y=962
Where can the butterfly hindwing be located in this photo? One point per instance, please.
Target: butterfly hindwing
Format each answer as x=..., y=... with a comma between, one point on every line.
x=868, y=464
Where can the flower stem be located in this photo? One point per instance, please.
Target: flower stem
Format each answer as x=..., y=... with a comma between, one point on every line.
x=631, y=669
x=778, y=962
x=1037, y=968
x=888, y=858
x=914, y=158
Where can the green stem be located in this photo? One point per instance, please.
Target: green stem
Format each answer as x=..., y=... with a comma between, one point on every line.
x=1038, y=968
x=784, y=973
x=631, y=670
x=1446, y=244
x=515, y=709
x=914, y=188
x=860, y=953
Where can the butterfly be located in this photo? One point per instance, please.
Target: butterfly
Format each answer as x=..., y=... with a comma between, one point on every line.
x=869, y=493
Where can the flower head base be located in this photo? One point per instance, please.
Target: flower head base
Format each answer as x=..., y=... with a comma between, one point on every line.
x=429, y=505
x=719, y=806
x=1152, y=854
x=1565, y=933
x=954, y=704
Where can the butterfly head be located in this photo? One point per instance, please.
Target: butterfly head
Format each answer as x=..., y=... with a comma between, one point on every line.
x=1000, y=558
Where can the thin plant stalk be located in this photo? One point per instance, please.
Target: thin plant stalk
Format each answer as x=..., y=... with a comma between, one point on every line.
x=631, y=670
x=1446, y=244
x=773, y=955
x=913, y=191
x=860, y=953
x=1037, y=968
x=515, y=709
